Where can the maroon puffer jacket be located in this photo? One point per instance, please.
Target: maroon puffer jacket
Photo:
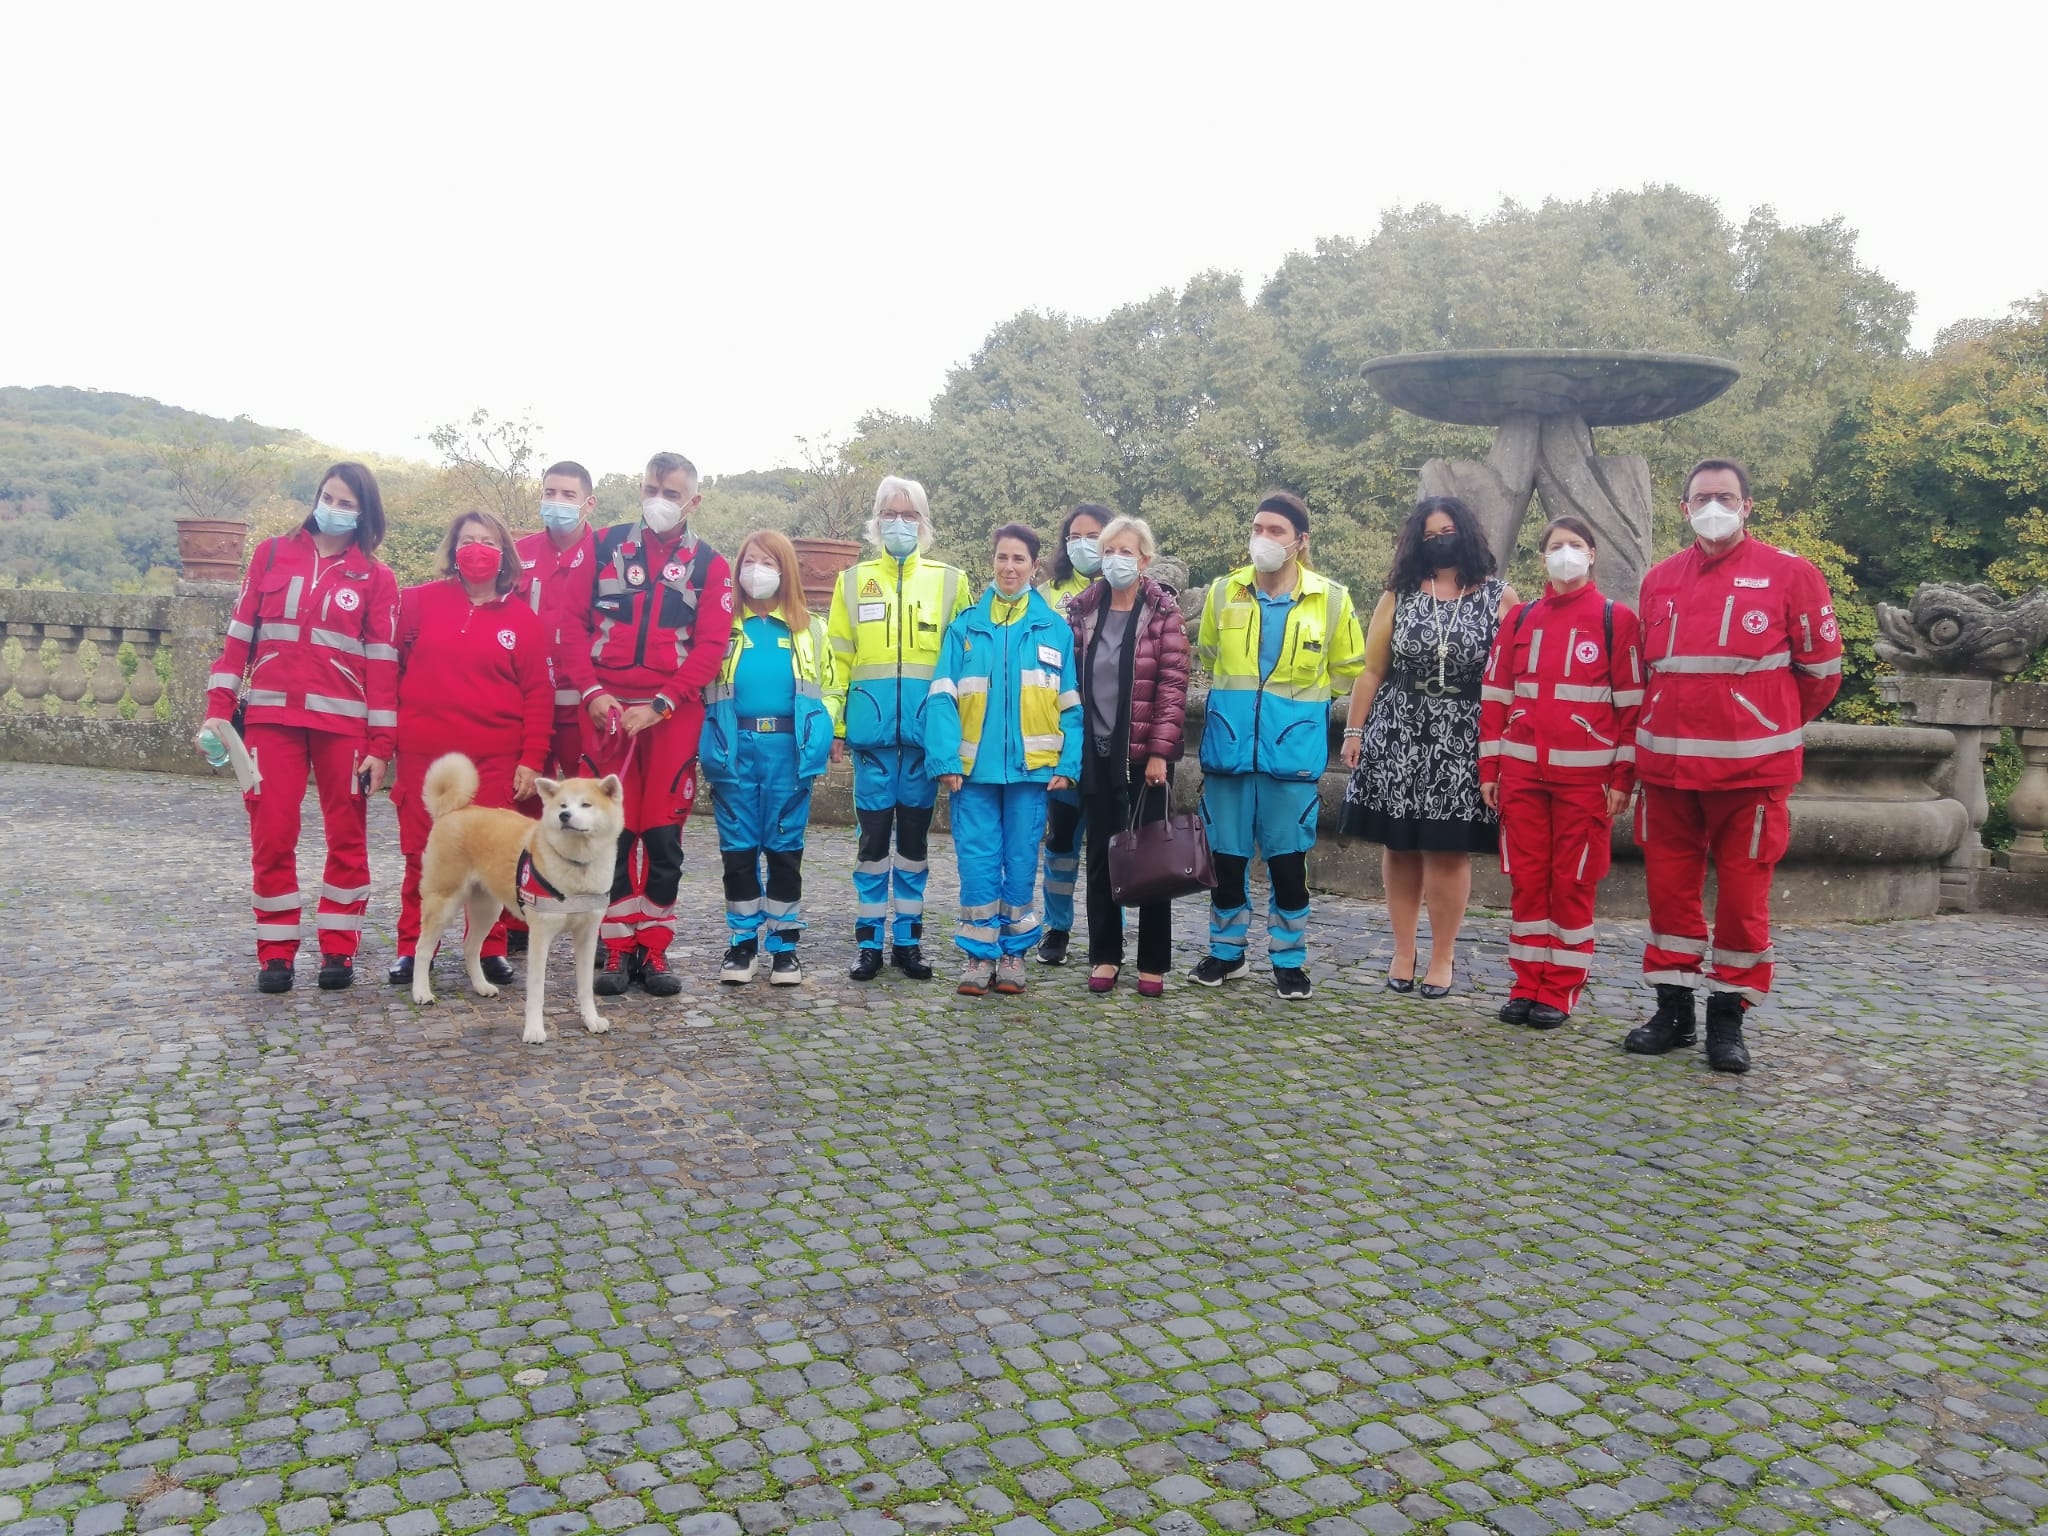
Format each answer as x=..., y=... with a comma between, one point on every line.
x=1159, y=671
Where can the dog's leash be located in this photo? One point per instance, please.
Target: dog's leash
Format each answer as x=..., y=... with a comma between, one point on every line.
x=614, y=727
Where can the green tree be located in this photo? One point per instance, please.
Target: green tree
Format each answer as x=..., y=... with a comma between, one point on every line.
x=493, y=460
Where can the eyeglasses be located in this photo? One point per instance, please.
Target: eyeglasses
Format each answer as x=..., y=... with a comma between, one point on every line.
x=1708, y=499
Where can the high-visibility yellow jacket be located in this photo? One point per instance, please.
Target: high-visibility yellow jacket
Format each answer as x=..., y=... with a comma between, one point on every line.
x=1057, y=592
x=811, y=662
x=1278, y=723
x=888, y=621
x=1006, y=703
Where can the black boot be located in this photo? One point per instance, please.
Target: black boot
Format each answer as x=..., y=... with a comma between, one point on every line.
x=1675, y=1023
x=867, y=964
x=336, y=972
x=909, y=959
x=496, y=968
x=400, y=974
x=276, y=976
x=616, y=974
x=1725, y=1050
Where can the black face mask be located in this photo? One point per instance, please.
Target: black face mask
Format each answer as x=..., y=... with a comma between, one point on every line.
x=1441, y=549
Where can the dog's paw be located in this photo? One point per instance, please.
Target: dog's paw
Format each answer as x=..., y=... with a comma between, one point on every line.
x=596, y=1023
x=534, y=1034
x=422, y=994
x=484, y=989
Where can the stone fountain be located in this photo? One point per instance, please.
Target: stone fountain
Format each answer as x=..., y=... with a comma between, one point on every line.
x=1543, y=407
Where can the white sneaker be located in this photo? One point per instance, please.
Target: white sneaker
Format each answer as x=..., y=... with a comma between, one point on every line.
x=741, y=962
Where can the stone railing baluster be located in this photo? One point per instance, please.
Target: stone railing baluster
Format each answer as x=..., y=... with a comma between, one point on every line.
x=145, y=687
x=31, y=678
x=69, y=681
x=108, y=685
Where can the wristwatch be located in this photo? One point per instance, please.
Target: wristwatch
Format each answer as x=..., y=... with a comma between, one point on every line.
x=661, y=706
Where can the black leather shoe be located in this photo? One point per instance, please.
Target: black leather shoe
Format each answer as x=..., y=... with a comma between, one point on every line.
x=496, y=968
x=909, y=959
x=1433, y=992
x=1052, y=949
x=1675, y=1023
x=276, y=976
x=515, y=941
x=1401, y=983
x=1725, y=1050
x=616, y=974
x=400, y=974
x=336, y=972
x=1545, y=1016
x=867, y=965
x=1516, y=1010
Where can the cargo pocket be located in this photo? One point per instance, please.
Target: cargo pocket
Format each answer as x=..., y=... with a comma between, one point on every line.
x=1767, y=829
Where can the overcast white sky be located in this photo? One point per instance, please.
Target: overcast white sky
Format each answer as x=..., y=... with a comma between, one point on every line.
x=713, y=228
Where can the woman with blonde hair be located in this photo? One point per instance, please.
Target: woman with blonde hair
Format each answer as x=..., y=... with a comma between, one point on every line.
x=473, y=677
x=768, y=727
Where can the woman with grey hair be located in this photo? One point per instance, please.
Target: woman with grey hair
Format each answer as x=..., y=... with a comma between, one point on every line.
x=889, y=614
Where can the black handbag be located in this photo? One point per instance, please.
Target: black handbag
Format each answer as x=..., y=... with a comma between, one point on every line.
x=1159, y=860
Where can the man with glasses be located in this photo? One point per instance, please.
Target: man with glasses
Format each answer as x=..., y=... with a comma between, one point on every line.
x=1744, y=649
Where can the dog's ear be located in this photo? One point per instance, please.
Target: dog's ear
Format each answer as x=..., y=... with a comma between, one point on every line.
x=547, y=787
x=611, y=786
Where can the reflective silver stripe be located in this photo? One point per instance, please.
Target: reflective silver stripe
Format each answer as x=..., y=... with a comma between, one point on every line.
x=567, y=696
x=1571, y=644
x=335, y=640
x=806, y=689
x=1716, y=984
x=1635, y=668
x=949, y=593
x=1674, y=944
x=237, y=630
x=1569, y=960
x=1019, y=917
x=1586, y=693
x=1524, y=929
x=716, y=693
x=1070, y=700
x=843, y=647
x=1587, y=726
x=1596, y=757
x=1672, y=978
x=1572, y=935
x=1770, y=663
x=943, y=688
x=612, y=930
x=291, y=599
x=1742, y=960
x=355, y=709
x=1525, y=688
x=1534, y=952
x=1050, y=741
x=1756, y=833
x=288, y=902
x=227, y=680
x=650, y=910
x=376, y=652
x=1727, y=614
x=1806, y=630
x=909, y=906
x=343, y=922
x=1685, y=746
x=277, y=930
x=384, y=717
x=911, y=866
x=277, y=631
x=1489, y=749
x=1762, y=719
x=1625, y=753
x=876, y=671
x=1820, y=668
x=1492, y=695
x=1038, y=677
x=872, y=867
x=969, y=750
x=871, y=909
x=984, y=912
x=1627, y=698
x=1535, y=648
x=344, y=893
x=1520, y=750
x=968, y=684
x=266, y=696
x=1580, y=872
x=743, y=908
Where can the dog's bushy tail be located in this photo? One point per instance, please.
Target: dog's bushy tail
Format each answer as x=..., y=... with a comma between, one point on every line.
x=450, y=785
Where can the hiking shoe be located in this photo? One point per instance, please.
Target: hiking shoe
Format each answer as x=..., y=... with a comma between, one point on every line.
x=910, y=960
x=1291, y=981
x=1211, y=972
x=976, y=976
x=784, y=969
x=337, y=972
x=1725, y=1050
x=1052, y=949
x=1675, y=1023
x=275, y=976
x=620, y=967
x=741, y=961
x=656, y=979
x=496, y=968
x=867, y=964
x=1010, y=974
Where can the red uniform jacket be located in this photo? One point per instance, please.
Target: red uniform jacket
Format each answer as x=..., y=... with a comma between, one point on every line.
x=474, y=677
x=558, y=584
x=661, y=617
x=1559, y=705
x=1743, y=650
x=316, y=636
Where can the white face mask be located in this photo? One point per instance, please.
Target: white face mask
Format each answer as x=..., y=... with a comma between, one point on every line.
x=1268, y=555
x=760, y=582
x=1715, y=521
x=1567, y=562
x=660, y=513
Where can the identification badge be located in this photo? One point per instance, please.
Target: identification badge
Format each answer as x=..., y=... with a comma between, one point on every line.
x=873, y=613
x=1049, y=655
x=636, y=575
x=1753, y=581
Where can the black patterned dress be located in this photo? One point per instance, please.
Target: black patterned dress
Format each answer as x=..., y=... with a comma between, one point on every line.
x=1416, y=786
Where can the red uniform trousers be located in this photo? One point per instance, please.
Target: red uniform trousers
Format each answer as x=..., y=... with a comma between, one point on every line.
x=660, y=788
x=1745, y=831
x=565, y=761
x=1554, y=849
x=284, y=756
x=494, y=789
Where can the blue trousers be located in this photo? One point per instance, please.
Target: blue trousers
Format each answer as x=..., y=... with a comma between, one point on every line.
x=762, y=808
x=1066, y=829
x=1253, y=814
x=893, y=798
x=996, y=831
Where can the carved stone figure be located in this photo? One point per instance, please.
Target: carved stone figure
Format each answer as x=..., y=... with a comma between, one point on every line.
x=1963, y=631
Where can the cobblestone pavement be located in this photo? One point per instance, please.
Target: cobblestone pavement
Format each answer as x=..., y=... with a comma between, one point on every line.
x=874, y=1260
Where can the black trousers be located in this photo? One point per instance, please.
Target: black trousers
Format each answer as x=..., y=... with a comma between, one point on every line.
x=1288, y=872
x=1107, y=798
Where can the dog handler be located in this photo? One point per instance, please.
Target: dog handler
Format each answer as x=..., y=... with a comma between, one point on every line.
x=475, y=677
x=767, y=736
x=314, y=629
x=661, y=618
x=889, y=615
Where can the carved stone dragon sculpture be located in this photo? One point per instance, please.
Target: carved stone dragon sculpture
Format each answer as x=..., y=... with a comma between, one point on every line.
x=1963, y=631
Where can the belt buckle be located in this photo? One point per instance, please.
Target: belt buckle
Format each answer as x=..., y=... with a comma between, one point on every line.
x=764, y=725
x=1431, y=687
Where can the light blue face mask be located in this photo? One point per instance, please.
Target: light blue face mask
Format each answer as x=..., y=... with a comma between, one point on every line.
x=1120, y=571
x=899, y=537
x=334, y=519
x=561, y=516
x=1082, y=556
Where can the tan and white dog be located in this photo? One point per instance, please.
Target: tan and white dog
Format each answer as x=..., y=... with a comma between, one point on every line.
x=554, y=873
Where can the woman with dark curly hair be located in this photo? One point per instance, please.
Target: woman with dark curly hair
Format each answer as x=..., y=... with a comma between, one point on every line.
x=1412, y=736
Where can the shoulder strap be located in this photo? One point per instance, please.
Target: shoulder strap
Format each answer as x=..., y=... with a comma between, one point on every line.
x=700, y=564
x=1607, y=618
x=1522, y=613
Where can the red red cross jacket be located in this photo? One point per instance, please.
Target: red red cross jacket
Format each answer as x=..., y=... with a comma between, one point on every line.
x=316, y=635
x=474, y=677
x=661, y=616
x=1743, y=650
x=1562, y=688
x=557, y=584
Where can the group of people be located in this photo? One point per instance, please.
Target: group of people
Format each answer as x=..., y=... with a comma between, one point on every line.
x=1054, y=715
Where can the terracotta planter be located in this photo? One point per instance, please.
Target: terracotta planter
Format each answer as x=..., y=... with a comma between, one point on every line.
x=819, y=562
x=211, y=548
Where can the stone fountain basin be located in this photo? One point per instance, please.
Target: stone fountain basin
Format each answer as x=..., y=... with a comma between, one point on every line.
x=1604, y=389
